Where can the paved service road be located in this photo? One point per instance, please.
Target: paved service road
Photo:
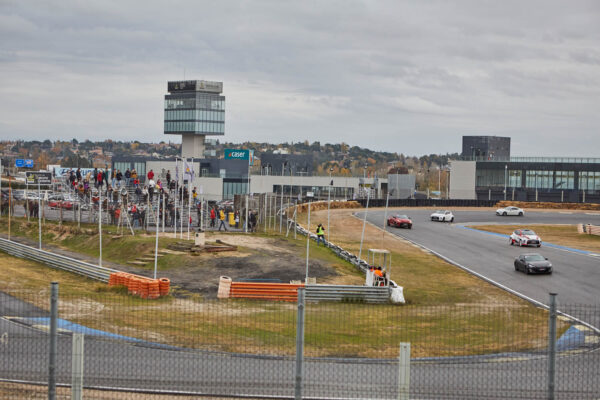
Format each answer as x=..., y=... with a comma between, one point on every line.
x=576, y=276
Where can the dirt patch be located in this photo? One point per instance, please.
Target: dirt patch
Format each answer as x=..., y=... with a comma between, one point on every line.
x=257, y=258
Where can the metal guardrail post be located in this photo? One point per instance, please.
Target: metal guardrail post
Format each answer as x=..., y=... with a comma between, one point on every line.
x=551, y=345
x=299, y=345
x=404, y=371
x=53, y=341
x=77, y=367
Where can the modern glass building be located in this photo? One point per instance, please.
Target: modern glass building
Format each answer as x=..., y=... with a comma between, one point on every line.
x=485, y=148
x=194, y=109
x=528, y=179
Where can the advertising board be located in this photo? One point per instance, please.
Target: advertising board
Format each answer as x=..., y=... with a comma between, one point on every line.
x=44, y=178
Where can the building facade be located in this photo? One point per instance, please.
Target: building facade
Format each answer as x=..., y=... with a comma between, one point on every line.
x=527, y=179
x=485, y=148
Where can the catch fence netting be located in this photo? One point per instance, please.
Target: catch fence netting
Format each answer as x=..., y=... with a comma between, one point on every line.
x=137, y=348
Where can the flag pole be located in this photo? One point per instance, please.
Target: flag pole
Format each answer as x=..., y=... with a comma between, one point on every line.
x=191, y=178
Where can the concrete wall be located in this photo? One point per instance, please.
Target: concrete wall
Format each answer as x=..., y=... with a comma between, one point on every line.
x=265, y=183
x=462, y=180
x=209, y=188
x=403, y=185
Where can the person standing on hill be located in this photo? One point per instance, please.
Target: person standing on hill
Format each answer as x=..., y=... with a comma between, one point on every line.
x=213, y=217
x=320, y=234
x=222, y=220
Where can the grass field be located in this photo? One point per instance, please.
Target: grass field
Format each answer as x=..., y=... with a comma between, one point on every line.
x=564, y=235
x=448, y=311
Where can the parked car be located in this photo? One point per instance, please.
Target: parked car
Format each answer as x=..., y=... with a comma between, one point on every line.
x=400, y=221
x=442, y=216
x=533, y=263
x=67, y=205
x=18, y=194
x=525, y=237
x=510, y=210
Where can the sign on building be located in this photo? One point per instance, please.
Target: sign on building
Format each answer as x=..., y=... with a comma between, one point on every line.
x=235, y=154
x=44, y=178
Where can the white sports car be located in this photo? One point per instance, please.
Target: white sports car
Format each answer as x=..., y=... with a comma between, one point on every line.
x=510, y=211
x=442, y=216
x=525, y=237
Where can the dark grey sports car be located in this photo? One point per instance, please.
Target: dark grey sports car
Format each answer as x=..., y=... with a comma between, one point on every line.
x=533, y=263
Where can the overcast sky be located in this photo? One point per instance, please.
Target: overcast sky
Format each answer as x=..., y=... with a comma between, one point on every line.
x=406, y=77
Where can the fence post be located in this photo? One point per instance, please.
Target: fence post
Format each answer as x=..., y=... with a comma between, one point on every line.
x=77, y=367
x=53, y=341
x=404, y=371
x=299, y=345
x=551, y=345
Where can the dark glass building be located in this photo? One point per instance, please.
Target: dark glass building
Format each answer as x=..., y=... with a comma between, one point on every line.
x=485, y=148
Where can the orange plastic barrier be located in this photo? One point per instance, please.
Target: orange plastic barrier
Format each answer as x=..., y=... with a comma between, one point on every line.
x=140, y=285
x=265, y=291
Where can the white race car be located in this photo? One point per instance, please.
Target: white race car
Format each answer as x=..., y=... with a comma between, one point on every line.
x=525, y=237
x=442, y=216
x=510, y=211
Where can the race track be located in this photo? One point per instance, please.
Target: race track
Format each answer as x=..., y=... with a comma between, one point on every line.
x=576, y=276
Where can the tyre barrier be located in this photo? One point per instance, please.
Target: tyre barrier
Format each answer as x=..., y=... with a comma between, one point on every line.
x=224, y=287
x=141, y=286
x=164, y=285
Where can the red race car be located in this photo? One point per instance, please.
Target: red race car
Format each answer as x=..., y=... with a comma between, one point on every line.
x=68, y=205
x=400, y=221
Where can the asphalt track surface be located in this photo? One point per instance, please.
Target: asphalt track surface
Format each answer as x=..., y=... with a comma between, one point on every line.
x=122, y=364
x=576, y=274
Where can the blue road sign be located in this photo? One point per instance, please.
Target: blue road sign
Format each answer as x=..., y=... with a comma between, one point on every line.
x=28, y=163
x=19, y=163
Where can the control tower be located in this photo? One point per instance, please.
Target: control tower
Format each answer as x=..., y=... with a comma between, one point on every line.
x=194, y=109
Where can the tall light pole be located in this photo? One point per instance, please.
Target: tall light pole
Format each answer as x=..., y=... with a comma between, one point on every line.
x=281, y=202
x=387, y=200
x=365, y=178
x=505, y=177
x=440, y=180
x=329, y=201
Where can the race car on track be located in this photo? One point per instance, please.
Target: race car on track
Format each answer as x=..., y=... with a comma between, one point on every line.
x=510, y=210
x=525, y=237
x=400, y=221
x=443, y=216
x=533, y=262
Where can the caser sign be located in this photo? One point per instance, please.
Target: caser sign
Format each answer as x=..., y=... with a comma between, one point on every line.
x=234, y=154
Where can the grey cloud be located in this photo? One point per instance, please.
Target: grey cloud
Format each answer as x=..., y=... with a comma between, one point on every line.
x=370, y=73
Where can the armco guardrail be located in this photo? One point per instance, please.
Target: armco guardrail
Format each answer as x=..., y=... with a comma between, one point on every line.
x=56, y=260
x=366, y=294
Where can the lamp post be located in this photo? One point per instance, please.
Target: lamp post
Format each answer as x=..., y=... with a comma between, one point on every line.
x=281, y=202
x=329, y=201
x=387, y=200
x=505, y=177
x=365, y=178
x=440, y=180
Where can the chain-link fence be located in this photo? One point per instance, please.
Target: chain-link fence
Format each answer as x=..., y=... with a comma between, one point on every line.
x=136, y=348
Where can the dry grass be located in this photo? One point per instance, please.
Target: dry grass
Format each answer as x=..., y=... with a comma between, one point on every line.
x=426, y=279
x=564, y=235
x=448, y=311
